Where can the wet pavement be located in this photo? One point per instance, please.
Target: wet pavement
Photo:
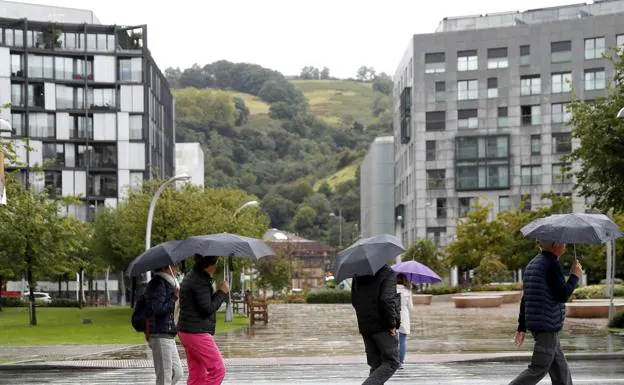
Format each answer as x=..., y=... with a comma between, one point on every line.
x=584, y=372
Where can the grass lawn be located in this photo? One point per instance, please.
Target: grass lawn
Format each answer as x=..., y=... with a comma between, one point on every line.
x=254, y=103
x=64, y=326
x=340, y=176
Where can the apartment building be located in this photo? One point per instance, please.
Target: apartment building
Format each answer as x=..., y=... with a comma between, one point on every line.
x=376, y=188
x=96, y=110
x=479, y=110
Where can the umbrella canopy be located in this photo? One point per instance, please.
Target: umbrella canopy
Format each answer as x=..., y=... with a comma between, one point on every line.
x=366, y=256
x=223, y=244
x=154, y=258
x=417, y=272
x=573, y=228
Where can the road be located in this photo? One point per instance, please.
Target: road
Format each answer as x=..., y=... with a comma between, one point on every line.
x=584, y=373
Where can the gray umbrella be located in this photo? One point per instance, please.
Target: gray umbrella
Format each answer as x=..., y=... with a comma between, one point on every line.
x=224, y=245
x=366, y=256
x=154, y=258
x=573, y=228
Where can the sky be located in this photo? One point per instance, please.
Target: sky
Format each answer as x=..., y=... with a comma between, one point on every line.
x=340, y=34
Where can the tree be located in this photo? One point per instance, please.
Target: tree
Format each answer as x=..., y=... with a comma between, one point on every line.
x=325, y=73
x=273, y=273
x=491, y=269
x=310, y=73
x=426, y=252
x=365, y=74
x=600, y=176
x=383, y=83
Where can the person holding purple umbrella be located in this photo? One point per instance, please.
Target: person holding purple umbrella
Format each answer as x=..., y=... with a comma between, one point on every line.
x=404, y=289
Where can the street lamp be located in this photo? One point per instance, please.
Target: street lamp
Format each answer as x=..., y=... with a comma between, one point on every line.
x=5, y=126
x=150, y=213
x=621, y=113
x=244, y=206
x=339, y=225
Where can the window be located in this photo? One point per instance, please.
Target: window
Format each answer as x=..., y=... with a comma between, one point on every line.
x=482, y=162
x=561, y=51
x=530, y=115
x=96, y=156
x=525, y=55
x=17, y=65
x=559, y=113
x=467, y=60
x=431, y=150
x=503, y=120
x=530, y=85
x=436, y=179
x=464, y=206
x=497, y=147
x=82, y=127
x=63, y=68
x=36, y=95
x=595, y=79
x=18, y=124
x=467, y=89
x=435, y=121
x=136, y=127
x=559, y=175
x=536, y=144
x=492, y=91
x=594, y=48
x=441, y=208
x=17, y=95
x=41, y=125
x=53, y=183
x=130, y=69
x=561, y=82
x=104, y=98
x=440, y=89
x=53, y=154
x=619, y=41
x=467, y=119
x=83, y=69
x=434, y=62
x=40, y=67
x=102, y=185
x=497, y=58
x=531, y=175
x=406, y=129
x=504, y=203
x=470, y=148
x=562, y=143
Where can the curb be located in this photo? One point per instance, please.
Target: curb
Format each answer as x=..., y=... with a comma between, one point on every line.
x=569, y=356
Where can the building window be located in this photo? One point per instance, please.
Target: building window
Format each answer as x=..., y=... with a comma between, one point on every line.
x=136, y=127
x=440, y=89
x=503, y=119
x=561, y=51
x=17, y=95
x=530, y=85
x=531, y=175
x=561, y=82
x=536, y=144
x=441, y=208
x=63, y=68
x=595, y=79
x=492, y=91
x=82, y=127
x=40, y=67
x=431, y=150
x=594, y=48
x=559, y=113
x=619, y=41
x=467, y=89
x=530, y=115
x=467, y=119
x=102, y=185
x=83, y=69
x=504, y=204
x=497, y=58
x=53, y=183
x=18, y=123
x=482, y=162
x=562, y=143
x=17, y=65
x=102, y=98
x=130, y=69
x=41, y=125
x=438, y=235
x=436, y=179
x=525, y=55
x=53, y=155
x=435, y=121
x=472, y=148
x=467, y=60
x=464, y=206
x=36, y=95
x=559, y=176
x=434, y=63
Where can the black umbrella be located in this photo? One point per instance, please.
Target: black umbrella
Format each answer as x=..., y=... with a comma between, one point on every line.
x=155, y=258
x=366, y=256
x=224, y=244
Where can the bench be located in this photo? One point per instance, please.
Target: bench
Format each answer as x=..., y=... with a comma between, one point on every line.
x=467, y=301
x=98, y=302
x=258, y=311
x=239, y=306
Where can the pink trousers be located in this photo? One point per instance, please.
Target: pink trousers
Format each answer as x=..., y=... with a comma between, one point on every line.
x=205, y=363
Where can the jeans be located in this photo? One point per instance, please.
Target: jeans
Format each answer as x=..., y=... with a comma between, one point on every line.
x=167, y=363
x=205, y=363
x=382, y=355
x=547, y=358
x=402, y=347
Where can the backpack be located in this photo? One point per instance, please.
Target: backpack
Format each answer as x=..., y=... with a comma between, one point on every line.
x=140, y=318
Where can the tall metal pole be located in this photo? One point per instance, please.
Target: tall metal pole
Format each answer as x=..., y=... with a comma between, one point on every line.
x=340, y=227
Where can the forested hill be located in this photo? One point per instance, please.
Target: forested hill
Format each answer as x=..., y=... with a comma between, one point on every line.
x=295, y=143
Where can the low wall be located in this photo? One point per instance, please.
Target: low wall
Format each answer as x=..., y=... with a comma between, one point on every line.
x=477, y=301
x=422, y=299
x=591, y=308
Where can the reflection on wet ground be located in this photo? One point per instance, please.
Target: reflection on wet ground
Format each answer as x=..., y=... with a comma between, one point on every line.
x=299, y=330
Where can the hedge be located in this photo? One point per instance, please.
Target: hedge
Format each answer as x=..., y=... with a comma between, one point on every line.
x=597, y=292
x=12, y=302
x=329, y=296
x=441, y=289
x=617, y=321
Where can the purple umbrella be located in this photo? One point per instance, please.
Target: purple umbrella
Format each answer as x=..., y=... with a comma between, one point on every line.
x=417, y=272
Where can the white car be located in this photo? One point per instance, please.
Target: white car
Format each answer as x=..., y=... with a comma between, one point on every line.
x=40, y=297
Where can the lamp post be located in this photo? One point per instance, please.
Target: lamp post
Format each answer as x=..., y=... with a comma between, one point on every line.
x=229, y=312
x=5, y=127
x=621, y=113
x=150, y=213
x=339, y=225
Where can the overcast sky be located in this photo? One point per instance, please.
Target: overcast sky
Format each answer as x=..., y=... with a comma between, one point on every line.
x=287, y=35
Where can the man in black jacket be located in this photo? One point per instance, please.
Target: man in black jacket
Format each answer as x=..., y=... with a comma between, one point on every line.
x=542, y=312
x=377, y=308
x=162, y=295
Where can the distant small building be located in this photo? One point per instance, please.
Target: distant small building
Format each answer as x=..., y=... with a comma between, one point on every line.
x=190, y=161
x=309, y=259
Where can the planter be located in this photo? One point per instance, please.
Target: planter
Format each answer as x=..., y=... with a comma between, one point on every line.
x=591, y=308
x=508, y=296
x=422, y=299
x=477, y=301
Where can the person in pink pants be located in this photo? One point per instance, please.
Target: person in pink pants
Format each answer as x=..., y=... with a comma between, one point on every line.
x=198, y=317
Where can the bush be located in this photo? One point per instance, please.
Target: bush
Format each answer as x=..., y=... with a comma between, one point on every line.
x=64, y=303
x=441, y=290
x=597, y=292
x=617, y=281
x=617, y=321
x=12, y=302
x=514, y=287
x=329, y=296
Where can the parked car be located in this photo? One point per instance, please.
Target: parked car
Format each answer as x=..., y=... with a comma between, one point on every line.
x=40, y=297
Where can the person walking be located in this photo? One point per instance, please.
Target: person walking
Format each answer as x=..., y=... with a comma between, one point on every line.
x=162, y=301
x=198, y=318
x=542, y=313
x=404, y=289
x=376, y=303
